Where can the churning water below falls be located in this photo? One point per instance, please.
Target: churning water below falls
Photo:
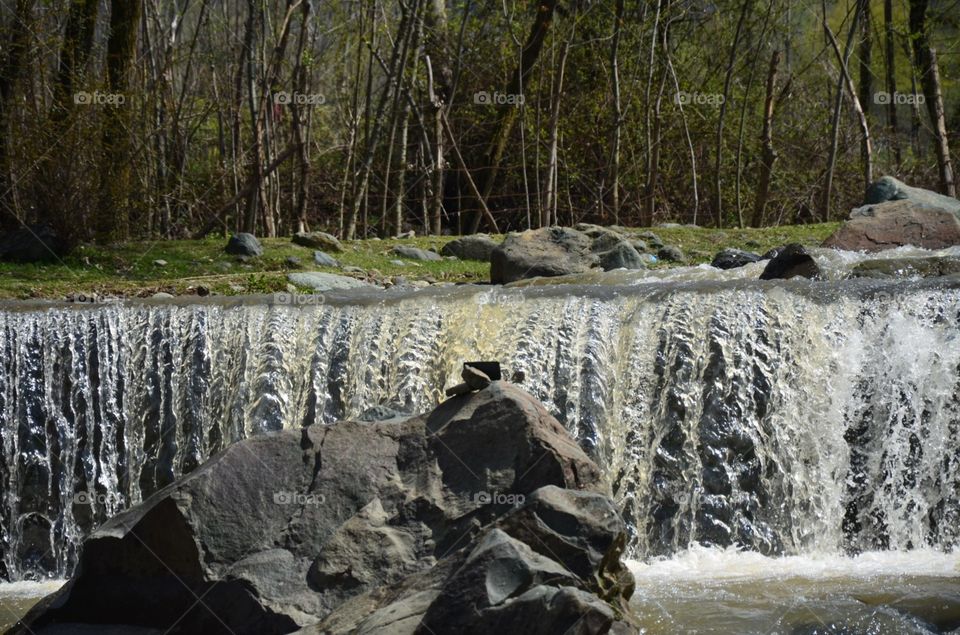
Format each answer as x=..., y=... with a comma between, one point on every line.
x=787, y=454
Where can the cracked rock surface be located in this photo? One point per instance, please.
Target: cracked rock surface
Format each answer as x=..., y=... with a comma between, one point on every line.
x=481, y=514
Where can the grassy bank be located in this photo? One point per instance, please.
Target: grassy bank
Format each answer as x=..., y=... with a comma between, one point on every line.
x=201, y=266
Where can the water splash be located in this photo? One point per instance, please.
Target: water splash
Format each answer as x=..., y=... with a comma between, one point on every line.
x=789, y=418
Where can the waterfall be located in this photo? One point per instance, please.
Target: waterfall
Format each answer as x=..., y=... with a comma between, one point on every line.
x=781, y=418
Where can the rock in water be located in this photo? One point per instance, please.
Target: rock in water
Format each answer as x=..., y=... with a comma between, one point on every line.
x=317, y=240
x=792, y=261
x=551, y=251
x=244, y=245
x=733, y=259
x=477, y=247
x=395, y=526
x=896, y=223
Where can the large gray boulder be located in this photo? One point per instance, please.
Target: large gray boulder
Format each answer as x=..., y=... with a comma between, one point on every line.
x=366, y=527
x=894, y=224
x=551, y=251
x=560, y=251
x=888, y=188
x=477, y=247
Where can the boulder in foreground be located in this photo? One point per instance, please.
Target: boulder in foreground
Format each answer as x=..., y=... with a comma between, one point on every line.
x=484, y=515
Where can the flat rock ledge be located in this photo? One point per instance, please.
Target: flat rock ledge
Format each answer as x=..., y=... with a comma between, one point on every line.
x=483, y=516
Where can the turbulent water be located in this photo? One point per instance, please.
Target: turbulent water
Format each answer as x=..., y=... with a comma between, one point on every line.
x=786, y=420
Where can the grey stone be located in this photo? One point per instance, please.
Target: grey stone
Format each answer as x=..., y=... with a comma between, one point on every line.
x=318, y=240
x=551, y=251
x=415, y=253
x=322, y=281
x=888, y=188
x=476, y=379
x=477, y=247
x=458, y=389
x=244, y=244
x=669, y=253
x=652, y=239
x=792, y=261
x=623, y=255
x=896, y=223
x=362, y=527
x=292, y=262
x=733, y=259
x=324, y=259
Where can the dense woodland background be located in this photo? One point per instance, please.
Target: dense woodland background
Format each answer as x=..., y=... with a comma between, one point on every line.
x=374, y=117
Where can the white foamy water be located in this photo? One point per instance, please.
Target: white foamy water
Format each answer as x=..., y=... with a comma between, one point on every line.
x=704, y=565
x=716, y=591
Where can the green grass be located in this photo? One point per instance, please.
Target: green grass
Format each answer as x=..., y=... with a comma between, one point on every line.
x=200, y=266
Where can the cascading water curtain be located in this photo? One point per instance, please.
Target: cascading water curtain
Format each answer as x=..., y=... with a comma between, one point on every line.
x=781, y=419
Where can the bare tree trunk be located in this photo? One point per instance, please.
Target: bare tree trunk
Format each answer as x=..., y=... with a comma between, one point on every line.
x=441, y=78
x=300, y=84
x=113, y=215
x=549, y=214
x=11, y=71
x=768, y=156
x=718, y=160
x=376, y=125
x=925, y=59
x=891, y=77
x=508, y=112
x=405, y=128
x=866, y=149
x=866, y=56
x=935, y=106
x=837, y=106
x=648, y=193
x=617, y=112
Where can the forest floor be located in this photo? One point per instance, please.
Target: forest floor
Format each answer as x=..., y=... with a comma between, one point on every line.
x=188, y=267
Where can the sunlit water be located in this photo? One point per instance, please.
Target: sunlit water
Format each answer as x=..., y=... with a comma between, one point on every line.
x=707, y=590
x=793, y=421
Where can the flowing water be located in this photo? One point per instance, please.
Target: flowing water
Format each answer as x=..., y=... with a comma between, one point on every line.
x=786, y=453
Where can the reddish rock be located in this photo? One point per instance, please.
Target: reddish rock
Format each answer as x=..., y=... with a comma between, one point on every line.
x=896, y=223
